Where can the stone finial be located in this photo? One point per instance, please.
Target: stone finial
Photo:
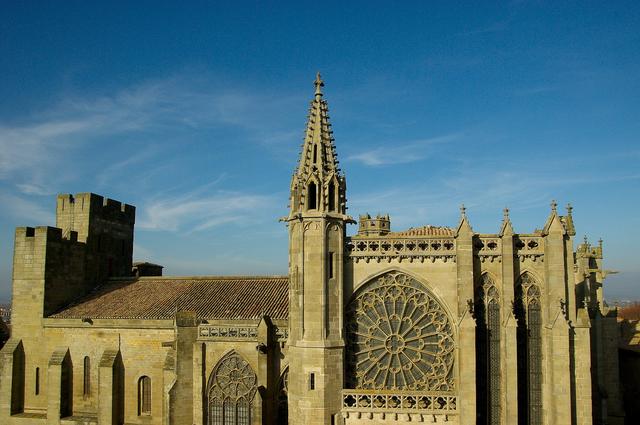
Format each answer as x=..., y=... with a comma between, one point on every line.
x=506, y=228
x=463, y=210
x=569, y=209
x=586, y=241
x=600, y=243
x=319, y=84
x=554, y=206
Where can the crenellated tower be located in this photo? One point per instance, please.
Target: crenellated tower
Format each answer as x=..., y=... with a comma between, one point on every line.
x=317, y=223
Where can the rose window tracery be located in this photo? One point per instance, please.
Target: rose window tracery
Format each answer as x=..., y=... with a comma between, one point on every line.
x=399, y=337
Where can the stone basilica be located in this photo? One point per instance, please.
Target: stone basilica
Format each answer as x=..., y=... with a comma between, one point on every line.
x=431, y=324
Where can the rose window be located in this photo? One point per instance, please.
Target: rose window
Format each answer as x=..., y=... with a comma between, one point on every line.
x=399, y=337
x=234, y=378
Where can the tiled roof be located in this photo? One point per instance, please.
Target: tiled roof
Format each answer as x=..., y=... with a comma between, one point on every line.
x=425, y=231
x=208, y=297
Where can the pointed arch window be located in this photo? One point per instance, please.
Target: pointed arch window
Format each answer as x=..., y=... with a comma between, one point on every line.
x=231, y=389
x=312, y=196
x=488, y=370
x=528, y=315
x=144, y=396
x=332, y=197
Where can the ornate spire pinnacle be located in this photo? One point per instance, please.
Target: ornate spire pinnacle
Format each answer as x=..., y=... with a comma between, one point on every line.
x=505, y=214
x=318, y=83
x=568, y=221
x=318, y=184
x=554, y=206
x=463, y=211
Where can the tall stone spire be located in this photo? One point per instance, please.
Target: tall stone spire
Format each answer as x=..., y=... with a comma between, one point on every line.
x=317, y=230
x=318, y=183
x=318, y=151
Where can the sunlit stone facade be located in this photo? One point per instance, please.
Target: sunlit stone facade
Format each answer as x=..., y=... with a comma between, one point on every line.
x=431, y=324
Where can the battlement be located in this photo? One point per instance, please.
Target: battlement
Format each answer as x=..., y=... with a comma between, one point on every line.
x=378, y=226
x=48, y=233
x=97, y=206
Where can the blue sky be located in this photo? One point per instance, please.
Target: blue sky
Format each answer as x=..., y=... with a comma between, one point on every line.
x=194, y=112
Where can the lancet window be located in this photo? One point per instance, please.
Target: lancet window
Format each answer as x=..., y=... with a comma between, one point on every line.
x=332, y=197
x=312, y=196
x=529, y=317
x=487, y=314
x=400, y=337
x=231, y=389
x=144, y=395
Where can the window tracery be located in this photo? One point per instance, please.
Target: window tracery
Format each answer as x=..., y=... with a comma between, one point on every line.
x=529, y=335
x=231, y=389
x=487, y=314
x=400, y=337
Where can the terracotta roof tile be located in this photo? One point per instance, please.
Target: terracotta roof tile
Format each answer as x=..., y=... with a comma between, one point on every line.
x=208, y=297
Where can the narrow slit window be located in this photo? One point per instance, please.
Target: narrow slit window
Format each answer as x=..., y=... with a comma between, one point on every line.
x=315, y=154
x=37, y=380
x=330, y=265
x=312, y=381
x=86, y=383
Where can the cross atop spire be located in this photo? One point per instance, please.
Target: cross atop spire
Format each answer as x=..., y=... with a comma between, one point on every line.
x=318, y=83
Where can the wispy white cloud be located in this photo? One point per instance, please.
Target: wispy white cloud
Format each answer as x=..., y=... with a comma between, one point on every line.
x=200, y=209
x=26, y=210
x=40, y=152
x=401, y=154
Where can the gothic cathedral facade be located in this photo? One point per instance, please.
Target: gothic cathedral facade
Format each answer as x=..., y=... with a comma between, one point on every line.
x=431, y=324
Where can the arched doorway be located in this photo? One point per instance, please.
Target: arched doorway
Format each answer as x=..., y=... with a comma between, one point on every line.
x=400, y=337
x=231, y=389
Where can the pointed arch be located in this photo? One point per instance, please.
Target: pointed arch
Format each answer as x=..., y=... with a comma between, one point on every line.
x=312, y=194
x=426, y=284
x=400, y=320
x=331, y=190
x=528, y=313
x=231, y=389
x=488, y=370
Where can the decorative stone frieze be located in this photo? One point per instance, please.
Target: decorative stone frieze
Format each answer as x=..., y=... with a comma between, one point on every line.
x=209, y=332
x=390, y=402
x=529, y=248
x=409, y=249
